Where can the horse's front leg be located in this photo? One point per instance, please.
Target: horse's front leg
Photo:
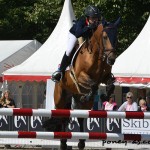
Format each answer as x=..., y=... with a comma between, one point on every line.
x=90, y=95
x=93, y=92
x=110, y=85
x=60, y=97
x=81, y=143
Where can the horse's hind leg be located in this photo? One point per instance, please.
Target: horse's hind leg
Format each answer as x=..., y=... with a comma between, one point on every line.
x=60, y=97
x=60, y=102
x=81, y=143
x=63, y=142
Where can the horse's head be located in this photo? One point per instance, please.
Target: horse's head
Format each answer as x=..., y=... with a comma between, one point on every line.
x=109, y=38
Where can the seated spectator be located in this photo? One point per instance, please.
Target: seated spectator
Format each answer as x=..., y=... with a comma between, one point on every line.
x=110, y=104
x=143, y=106
x=6, y=101
x=130, y=104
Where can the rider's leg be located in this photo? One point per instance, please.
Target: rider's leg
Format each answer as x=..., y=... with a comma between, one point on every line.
x=66, y=59
x=71, y=43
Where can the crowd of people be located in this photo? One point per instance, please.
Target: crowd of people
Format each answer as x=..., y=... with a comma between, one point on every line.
x=129, y=105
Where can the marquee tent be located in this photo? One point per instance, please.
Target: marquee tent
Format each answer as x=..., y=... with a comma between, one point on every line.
x=14, y=52
x=132, y=67
x=41, y=65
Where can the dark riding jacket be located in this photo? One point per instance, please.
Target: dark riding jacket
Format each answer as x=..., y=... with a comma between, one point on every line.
x=81, y=28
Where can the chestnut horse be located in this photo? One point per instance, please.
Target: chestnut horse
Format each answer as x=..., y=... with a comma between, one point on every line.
x=91, y=66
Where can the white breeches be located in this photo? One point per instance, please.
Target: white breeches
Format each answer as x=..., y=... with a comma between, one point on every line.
x=71, y=43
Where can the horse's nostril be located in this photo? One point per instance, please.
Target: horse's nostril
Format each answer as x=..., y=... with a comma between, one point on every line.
x=111, y=61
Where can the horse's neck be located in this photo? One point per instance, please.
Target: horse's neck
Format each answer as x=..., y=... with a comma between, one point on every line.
x=91, y=51
x=94, y=43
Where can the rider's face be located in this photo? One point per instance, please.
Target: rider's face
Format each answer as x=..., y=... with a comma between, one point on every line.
x=93, y=20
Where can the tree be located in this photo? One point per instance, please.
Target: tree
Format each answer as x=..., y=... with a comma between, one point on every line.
x=36, y=19
x=13, y=24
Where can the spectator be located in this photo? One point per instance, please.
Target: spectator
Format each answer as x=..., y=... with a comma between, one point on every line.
x=130, y=104
x=110, y=104
x=143, y=106
x=1, y=106
x=6, y=101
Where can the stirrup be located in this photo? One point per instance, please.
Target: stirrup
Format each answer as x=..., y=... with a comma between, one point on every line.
x=54, y=75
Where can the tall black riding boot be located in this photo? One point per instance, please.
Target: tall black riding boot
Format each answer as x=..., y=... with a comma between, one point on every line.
x=57, y=76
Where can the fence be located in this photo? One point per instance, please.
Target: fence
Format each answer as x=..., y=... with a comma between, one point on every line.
x=74, y=113
x=104, y=126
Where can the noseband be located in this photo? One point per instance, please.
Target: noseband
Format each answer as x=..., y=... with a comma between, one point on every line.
x=107, y=52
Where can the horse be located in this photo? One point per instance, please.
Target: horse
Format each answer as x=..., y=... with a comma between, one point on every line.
x=91, y=65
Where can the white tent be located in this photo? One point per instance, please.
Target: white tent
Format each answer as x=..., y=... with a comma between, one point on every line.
x=132, y=67
x=40, y=65
x=46, y=60
x=14, y=52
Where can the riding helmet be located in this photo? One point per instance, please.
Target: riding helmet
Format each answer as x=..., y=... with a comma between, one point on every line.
x=92, y=11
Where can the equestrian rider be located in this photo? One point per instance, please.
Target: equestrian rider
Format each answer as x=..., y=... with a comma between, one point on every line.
x=81, y=28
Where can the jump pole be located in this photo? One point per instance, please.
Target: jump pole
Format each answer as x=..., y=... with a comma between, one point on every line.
x=74, y=113
x=74, y=135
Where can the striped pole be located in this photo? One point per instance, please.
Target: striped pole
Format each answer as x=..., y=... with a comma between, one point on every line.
x=74, y=135
x=73, y=113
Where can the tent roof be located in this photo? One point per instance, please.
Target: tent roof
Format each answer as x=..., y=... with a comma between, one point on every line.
x=46, y=60
x=14, y=52
x=7, y=48
x=132, y=66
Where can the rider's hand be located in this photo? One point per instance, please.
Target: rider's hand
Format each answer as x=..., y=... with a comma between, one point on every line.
x=92, y=26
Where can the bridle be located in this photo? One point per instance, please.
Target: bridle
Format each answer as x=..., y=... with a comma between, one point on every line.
x=106, y=52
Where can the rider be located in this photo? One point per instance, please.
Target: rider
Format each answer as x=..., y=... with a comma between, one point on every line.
x=81, y=28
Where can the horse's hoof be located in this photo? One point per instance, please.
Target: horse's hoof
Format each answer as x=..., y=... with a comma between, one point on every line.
x=81, y=148
x=81, y=144
x=63, y=146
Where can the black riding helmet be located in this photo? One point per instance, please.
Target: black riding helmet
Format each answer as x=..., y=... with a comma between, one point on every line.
x=92, y=11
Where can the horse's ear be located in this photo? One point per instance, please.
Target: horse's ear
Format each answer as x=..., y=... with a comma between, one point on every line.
x=117, y=22
x=104, y=22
